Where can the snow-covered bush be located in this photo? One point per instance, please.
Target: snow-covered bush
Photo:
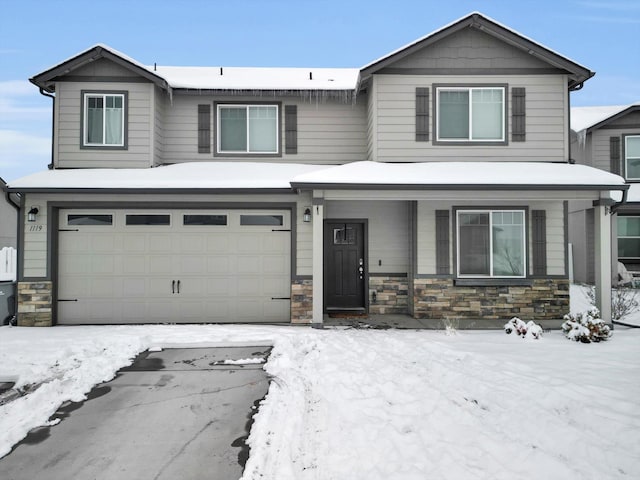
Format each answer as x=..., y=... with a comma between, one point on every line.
x=586, y=327
x=525, y=330
x=450, y=325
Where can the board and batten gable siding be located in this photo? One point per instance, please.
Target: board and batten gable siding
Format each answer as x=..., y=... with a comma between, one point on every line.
x=470, y=49
x=600, y=140
x=426, y=233
x=547, y=128
x=35, y=239
x=140, y=129
x=328, y=131
x=388, y=231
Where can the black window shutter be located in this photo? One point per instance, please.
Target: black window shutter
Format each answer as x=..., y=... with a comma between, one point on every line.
x=291, y=129
x=518, y=114
x=442, y=242
x=539, y=230
x=204, y=128
x=422, y=114
x=614, y=155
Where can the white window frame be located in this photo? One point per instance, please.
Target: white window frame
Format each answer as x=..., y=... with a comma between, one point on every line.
x=490, y=212
x=627, y=236
x=85, y=107
x=470, y=139
x=627, y=157
x=247, y=106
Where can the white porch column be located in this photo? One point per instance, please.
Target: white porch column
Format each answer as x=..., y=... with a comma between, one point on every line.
x=318, y=262
x=603, y=261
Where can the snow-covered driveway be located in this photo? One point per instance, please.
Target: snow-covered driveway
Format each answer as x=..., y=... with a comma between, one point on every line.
x=370, y=404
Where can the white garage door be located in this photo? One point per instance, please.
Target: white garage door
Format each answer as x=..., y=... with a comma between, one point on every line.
x=173, y=266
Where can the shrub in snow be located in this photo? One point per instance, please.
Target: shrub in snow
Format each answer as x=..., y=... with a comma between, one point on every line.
x=586, y=327
x=624, y=301
x=525, y=330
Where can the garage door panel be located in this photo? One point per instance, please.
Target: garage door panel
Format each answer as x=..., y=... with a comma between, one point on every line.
x=134, y=265
x=218, y=265
x=124, y=274
x=134, y=243
x=160, y=264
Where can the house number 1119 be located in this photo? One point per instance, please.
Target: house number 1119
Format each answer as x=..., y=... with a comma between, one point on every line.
x=35, y=228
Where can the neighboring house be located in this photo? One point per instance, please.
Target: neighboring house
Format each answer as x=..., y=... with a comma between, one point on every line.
x=608, y=138
x=432, y=182
x=8, y=219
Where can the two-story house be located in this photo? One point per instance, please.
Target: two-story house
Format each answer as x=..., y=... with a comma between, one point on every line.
x=608, y=138
x=432, y=182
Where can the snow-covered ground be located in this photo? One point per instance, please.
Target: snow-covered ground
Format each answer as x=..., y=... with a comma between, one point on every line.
x=380, y=404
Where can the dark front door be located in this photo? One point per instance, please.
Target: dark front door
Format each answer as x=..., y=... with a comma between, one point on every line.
x=344, y=266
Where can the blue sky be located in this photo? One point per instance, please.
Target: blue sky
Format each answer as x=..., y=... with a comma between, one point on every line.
x=35, y=35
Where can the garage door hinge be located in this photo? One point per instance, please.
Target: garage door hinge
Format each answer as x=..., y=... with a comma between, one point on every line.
x=67, y=299
x=278, y=230
x=68, y=230
x=280, y=298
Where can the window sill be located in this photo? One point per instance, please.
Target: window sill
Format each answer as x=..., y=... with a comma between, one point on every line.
x=493, y=282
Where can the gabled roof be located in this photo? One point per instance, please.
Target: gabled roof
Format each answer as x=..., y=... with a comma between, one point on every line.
x=46, y=79
x=577, y=73
x=592, y=118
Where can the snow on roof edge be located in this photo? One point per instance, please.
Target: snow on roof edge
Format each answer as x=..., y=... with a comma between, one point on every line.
x=585, y=117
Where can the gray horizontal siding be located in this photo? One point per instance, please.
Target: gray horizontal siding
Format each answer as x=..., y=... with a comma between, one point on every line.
x=388, y=231
x=68, y=153
x=328, y=132
x=546, y=124
x=426, y=235
x=600, y=151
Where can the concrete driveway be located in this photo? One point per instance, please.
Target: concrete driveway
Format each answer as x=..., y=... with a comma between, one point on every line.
x=174, y=414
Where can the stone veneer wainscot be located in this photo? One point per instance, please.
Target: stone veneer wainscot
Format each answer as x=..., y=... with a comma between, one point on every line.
x=439, y=298
x=34, y=304
x=302, y=301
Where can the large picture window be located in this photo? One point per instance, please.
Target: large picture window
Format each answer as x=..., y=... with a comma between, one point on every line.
x=104, y=120
x=629, y=237
x=248, y=129
x=632, y=156
x=470, y=114
x=491, y=243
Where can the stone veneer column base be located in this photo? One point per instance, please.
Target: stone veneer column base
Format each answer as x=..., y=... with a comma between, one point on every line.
x=302, y=301
x=35, y=304
x=440, y=299
x=392, y=293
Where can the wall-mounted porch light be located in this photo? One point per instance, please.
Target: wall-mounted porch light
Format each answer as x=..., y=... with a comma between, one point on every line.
x=31, y=215
x=306, y=217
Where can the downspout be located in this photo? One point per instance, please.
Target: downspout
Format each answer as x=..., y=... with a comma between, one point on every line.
x=53, y=121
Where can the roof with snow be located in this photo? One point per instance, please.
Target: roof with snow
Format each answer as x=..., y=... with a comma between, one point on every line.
x=589, y=118
x=179, y=176
x=460, y=175
x=230, y=176
x=304, y=79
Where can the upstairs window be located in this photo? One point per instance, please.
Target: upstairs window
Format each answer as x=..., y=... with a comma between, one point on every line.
x=491, y=243
x=248, y=129
x=104, y=120
x=632, y=156
x=470, y=114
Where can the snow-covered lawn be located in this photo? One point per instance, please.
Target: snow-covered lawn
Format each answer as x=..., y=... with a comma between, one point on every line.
x=374, y=404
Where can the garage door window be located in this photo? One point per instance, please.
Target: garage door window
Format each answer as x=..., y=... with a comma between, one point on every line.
x=273, y=220
x=89, y=219
x=204, y=219
x=148, y=219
